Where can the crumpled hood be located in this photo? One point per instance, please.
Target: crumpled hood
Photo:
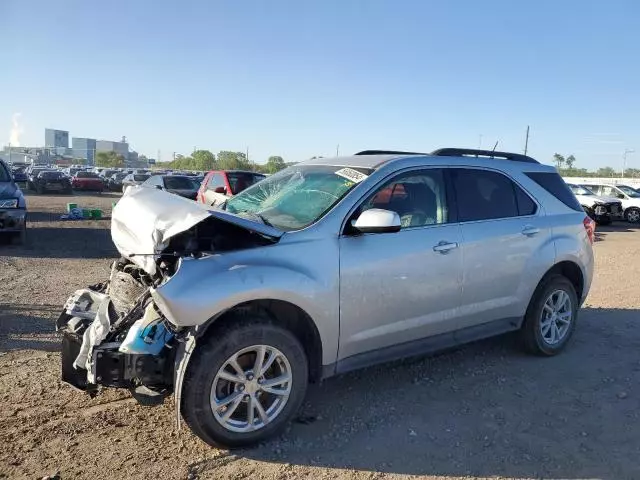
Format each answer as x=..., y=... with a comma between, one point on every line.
x=8, y=190
x=145, y=219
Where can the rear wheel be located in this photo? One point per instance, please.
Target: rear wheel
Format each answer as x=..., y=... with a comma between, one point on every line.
x=551, y=316
x=632, y=215
x=40, y=189
x=244, y=385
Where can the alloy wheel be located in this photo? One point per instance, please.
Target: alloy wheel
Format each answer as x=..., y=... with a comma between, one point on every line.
x=251, y=388
x=556, y=317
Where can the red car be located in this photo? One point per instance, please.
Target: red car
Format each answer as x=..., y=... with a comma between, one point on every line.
x=87, y=181
x=218, y=185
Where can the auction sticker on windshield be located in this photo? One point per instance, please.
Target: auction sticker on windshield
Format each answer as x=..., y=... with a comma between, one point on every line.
x=351, y=174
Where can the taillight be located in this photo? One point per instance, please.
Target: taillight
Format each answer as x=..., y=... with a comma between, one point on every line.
x=590, y=227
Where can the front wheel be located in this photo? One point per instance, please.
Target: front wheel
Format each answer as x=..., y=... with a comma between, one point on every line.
x=632, y=215
x=243, y=385
x=551, y=317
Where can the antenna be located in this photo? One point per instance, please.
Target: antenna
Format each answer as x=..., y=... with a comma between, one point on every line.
x=495, y=146
x=526, y=141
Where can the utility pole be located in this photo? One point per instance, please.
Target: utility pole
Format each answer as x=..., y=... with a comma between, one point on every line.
x=338, y=150
x=526, y=141
x=624, y=159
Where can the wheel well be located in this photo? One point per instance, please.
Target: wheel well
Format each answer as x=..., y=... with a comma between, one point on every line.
x=571, y=272
x=286, y=315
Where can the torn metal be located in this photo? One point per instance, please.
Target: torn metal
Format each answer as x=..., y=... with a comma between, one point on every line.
x=115, y=334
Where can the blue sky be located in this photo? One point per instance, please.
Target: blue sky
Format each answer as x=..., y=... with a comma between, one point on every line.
x=296, y=78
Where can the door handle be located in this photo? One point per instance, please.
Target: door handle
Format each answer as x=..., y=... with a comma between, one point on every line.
x=530, y=230
x=444, y=247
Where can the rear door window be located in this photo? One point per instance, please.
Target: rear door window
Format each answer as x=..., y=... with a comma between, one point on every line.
x=485, y=195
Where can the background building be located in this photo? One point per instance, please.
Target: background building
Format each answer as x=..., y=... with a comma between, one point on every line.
x=85, y=149
x=121, y=148
x=56, y=140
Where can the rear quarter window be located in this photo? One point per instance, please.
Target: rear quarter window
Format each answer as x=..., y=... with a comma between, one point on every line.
x=555, y=185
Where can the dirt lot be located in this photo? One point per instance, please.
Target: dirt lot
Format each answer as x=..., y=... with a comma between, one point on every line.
x=484, y=410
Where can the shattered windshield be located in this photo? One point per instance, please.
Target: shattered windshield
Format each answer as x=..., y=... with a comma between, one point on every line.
x=297, y=196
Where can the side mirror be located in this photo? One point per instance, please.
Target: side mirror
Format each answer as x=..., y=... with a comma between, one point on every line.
x=222, y=190
x=620, y=195
x=377, y=220
x=159, y=187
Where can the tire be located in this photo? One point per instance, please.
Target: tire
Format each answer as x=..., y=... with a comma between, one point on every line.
x=206, y=364
x=40, y=189
x=632, y=215
x=532, y=330
x=603, y=221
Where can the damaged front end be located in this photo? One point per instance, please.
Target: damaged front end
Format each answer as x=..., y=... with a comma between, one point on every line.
x=114, y=334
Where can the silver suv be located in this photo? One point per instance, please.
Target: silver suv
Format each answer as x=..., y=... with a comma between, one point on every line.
x=328, y=266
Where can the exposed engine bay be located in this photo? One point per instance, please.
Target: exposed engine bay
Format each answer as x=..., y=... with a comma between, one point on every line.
x=114, y=334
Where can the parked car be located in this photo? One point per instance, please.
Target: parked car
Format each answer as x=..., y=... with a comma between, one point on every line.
x=629, y=198
x=52, y=181
x=20, y=177
x=114, y=182
x=601, y=209
x=32, y=175
x=179, y=185
x=84, y=180
x=411, y=253
x=13, y=207
x=219, y=185
x=106, y=174
x=134, y=179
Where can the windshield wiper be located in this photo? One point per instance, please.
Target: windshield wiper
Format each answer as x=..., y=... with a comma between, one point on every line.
x=264, y=219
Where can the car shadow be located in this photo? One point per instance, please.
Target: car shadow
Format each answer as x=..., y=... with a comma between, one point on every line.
x=485, y=410
x=91, y=240
x=29, y=327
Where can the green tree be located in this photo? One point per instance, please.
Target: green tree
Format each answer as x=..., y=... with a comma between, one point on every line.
x=109, y=159
x=558, y=160
x=606, y=172
x=570, y=160
x=233, y=161
x=203, y=160
x=632, y=172
x=274, y=164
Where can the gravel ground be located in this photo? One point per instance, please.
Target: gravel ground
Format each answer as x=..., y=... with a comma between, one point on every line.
x=485, y=410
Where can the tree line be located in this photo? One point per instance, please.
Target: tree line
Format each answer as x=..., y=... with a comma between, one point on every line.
x=566, y=167
x=204, y=160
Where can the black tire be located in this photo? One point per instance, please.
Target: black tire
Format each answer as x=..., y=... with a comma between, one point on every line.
x=632, y=215
x=68, y=191
x=211, y=355
x=40, y=189
x=603, y=221
x=531, y=330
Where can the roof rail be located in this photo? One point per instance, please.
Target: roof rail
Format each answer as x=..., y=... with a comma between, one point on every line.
x=471, y=152
x=389, y=152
